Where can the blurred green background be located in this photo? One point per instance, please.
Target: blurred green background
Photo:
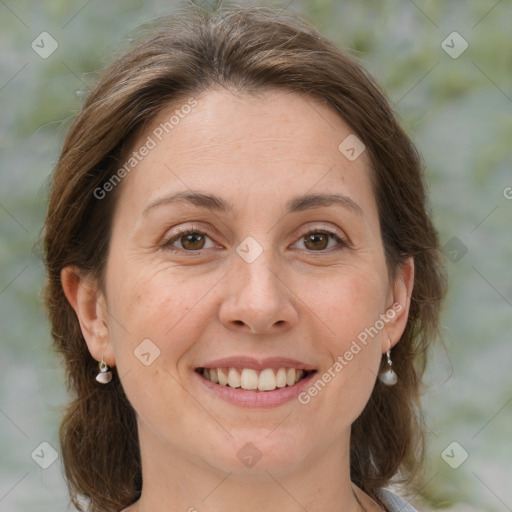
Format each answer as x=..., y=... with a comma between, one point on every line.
x=457, y=108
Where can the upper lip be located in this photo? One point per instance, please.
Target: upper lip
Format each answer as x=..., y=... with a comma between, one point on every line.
x=255, y=364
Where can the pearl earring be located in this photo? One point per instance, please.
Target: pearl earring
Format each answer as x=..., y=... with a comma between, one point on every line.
x=388, y=377
x=105, y=375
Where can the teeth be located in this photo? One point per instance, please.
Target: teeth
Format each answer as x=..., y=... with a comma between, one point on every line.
x=248, y=379
x=281, y=378
x=223, y=378
x=233, y=378
x=213, y=376
x=267, y=381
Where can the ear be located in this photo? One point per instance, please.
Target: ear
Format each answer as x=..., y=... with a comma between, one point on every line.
x=399, y=304
x=90, y=307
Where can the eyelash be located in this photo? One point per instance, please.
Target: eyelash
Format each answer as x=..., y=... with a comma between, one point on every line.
x=189, y=231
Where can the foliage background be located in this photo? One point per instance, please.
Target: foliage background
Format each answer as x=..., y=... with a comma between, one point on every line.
x=458, y=111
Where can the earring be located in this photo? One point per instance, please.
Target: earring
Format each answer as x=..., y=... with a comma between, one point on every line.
x=105, y=375
x=388, y=377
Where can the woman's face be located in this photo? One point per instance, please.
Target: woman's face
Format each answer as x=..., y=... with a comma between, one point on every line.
x=277, y=268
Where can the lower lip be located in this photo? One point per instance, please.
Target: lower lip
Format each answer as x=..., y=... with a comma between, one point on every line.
x=245, y=398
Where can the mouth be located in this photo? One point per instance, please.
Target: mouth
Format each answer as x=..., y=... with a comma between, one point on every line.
x=257, y=380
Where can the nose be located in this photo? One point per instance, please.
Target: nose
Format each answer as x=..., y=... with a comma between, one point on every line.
x=258, y=298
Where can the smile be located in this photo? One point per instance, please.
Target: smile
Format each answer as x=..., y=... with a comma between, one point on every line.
x=250, y=379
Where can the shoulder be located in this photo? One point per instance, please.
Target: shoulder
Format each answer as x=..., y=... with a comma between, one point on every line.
x=394, y=503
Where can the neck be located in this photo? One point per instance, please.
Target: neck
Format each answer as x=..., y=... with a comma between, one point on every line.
x=178, y=481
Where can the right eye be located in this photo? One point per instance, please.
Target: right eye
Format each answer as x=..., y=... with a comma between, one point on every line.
x=190, y=239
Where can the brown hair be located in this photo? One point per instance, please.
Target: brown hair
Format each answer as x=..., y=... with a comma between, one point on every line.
x=246, y=49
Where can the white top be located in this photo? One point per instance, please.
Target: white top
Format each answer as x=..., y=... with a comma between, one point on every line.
x=394, y=503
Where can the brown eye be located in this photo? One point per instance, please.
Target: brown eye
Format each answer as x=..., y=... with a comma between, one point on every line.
x=318, y=241
x=190, y=240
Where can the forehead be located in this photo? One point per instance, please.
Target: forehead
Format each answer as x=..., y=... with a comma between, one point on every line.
x=244, y=146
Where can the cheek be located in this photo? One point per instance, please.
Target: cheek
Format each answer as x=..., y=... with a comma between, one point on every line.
x=156, y=303
x=171, y=306
x=351, y=310
x=352, y=301
x=150, y=303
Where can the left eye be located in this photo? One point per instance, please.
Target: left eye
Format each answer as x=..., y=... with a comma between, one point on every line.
x=319, y=240
x=194, y=240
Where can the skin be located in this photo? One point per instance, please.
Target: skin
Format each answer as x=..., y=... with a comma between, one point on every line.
x=295, y=300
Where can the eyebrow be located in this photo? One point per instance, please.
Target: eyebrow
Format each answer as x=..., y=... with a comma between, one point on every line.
x=296, y=204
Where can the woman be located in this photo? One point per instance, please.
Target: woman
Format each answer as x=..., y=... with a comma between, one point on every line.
x=242, y=276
